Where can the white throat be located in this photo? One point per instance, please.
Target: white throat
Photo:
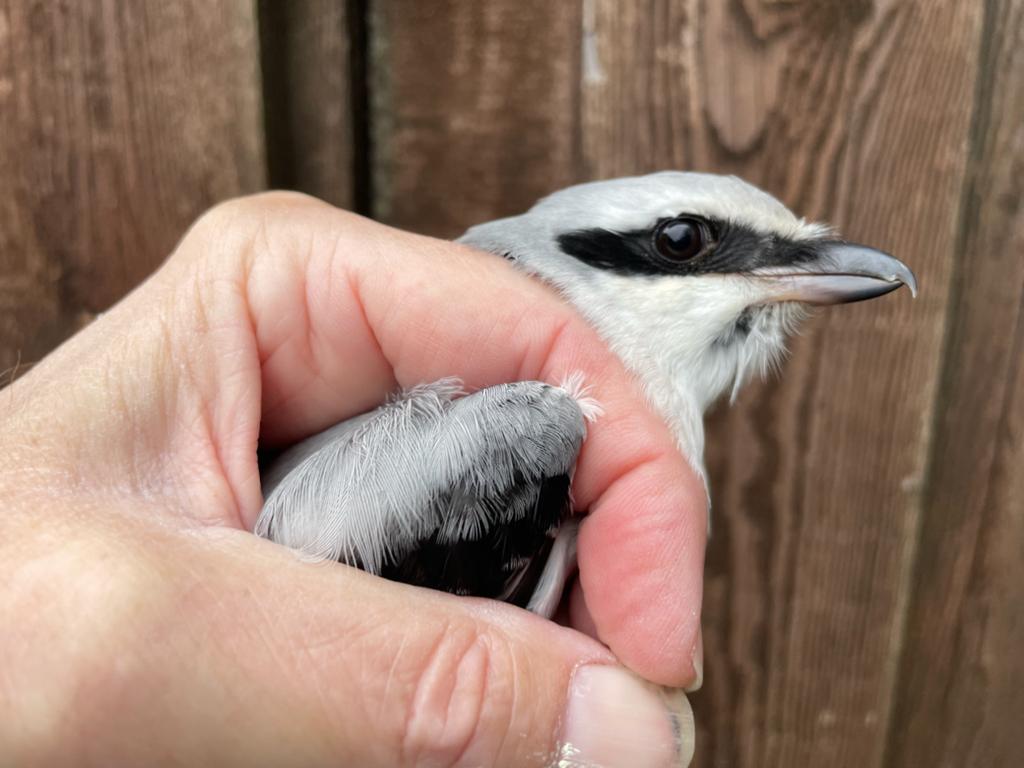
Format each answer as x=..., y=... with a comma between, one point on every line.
x=678, y=335
x=674, y=334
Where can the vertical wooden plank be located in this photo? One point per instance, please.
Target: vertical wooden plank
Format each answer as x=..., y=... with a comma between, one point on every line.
x=857, y=113
x=960, y=696
x=312, y=96
x=474, y=108
x=121, y=122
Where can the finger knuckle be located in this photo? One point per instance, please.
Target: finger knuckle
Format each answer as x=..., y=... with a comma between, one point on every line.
x=242, y=218
x=256, y=207
x=462, y=701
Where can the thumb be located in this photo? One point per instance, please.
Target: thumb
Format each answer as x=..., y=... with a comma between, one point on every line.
x=343, y=668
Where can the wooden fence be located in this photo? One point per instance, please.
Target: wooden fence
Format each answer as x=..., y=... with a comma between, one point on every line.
x=865, y=584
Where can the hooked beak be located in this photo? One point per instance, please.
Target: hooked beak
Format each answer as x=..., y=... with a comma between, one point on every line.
x=841, y=273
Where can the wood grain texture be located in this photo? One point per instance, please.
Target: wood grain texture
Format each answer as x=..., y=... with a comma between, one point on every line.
x=121, y=123
x=474, y=108
x=857, y=113
x=961, y=683
x=865, y=581
x=312, y=109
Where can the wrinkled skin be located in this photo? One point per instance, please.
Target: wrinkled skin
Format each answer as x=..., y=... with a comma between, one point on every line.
x=144, y=624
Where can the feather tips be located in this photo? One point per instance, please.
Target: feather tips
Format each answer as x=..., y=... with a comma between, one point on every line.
x=429, y=463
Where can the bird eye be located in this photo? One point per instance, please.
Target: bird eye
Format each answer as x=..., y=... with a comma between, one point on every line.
x=680, y=239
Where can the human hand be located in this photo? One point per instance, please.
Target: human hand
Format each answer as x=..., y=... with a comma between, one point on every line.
x=143, y=623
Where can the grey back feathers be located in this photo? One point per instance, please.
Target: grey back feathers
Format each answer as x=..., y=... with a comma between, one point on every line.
x=431, y=464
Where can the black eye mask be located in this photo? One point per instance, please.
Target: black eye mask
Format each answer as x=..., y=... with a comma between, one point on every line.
x=731, y=249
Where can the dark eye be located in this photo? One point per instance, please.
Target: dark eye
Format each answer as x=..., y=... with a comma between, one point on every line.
x=681, y=239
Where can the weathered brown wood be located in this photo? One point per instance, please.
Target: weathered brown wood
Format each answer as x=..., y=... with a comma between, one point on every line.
x=312, y=110
x=867, y=571
x=121, y=123
x=961, y=686
x=857, y=113
x=474, y=108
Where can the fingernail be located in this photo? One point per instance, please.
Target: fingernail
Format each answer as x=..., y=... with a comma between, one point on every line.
x=616, y=719
x=698, y=664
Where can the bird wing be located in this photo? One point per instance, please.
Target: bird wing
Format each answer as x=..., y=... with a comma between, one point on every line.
x=460, y=493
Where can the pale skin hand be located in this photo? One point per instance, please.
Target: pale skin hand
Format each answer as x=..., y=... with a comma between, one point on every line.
x=142, y=622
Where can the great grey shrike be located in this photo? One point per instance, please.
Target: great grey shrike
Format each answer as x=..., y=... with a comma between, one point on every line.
x=694, y=281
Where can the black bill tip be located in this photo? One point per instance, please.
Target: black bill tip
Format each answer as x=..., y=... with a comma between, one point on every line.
x=842, y=273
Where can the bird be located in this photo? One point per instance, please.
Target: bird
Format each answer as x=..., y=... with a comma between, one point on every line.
x=694, y=280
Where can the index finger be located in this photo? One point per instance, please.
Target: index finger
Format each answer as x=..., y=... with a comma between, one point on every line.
x=343, y=310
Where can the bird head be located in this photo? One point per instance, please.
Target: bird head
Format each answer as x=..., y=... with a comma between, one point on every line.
x=695, y=280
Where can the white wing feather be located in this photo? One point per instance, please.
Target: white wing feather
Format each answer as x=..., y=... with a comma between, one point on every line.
x=367, y=490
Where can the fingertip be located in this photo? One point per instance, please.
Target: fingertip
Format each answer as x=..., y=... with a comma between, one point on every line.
x=641, y=570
